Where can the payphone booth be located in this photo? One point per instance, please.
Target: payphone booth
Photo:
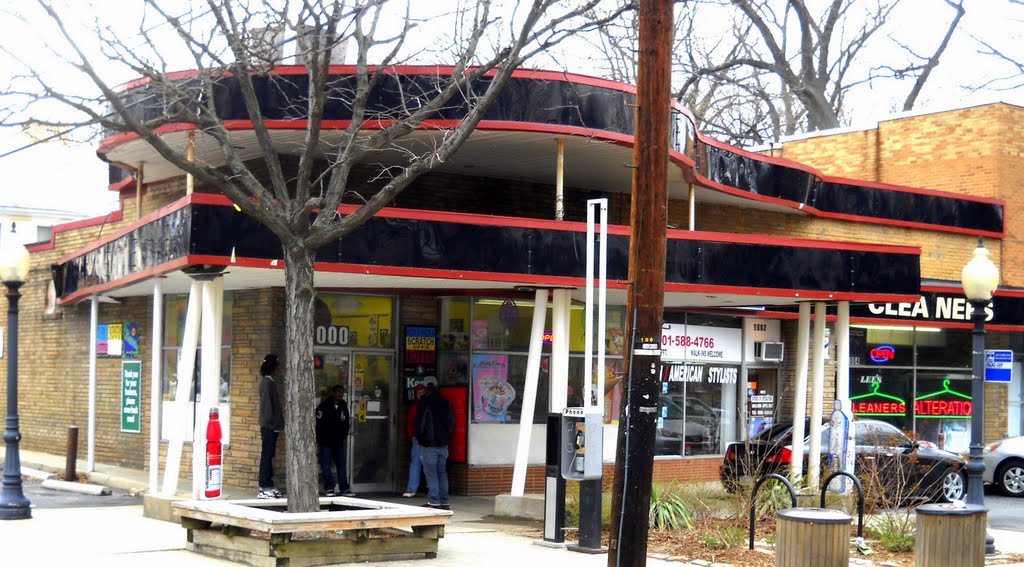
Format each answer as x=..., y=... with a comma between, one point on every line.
x=582, y=438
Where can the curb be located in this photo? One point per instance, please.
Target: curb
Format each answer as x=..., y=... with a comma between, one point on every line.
x=78, y=487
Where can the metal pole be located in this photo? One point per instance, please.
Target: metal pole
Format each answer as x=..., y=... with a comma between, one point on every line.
x=975, y=465
x=13, y=504
x=71, y=458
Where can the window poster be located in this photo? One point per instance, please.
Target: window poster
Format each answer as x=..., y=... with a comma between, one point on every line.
x=492, y=394
x=109, y=340
x=131, y=340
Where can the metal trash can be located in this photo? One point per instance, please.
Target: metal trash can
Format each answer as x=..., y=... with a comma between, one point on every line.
x=812, y=536
x=950, y=535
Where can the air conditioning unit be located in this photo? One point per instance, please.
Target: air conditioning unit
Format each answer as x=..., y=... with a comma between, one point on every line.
x=768, y=351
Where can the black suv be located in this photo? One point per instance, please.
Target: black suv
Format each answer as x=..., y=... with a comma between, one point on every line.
x=921, y=470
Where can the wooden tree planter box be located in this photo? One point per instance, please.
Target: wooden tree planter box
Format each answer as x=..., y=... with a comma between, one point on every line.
x=262, y=533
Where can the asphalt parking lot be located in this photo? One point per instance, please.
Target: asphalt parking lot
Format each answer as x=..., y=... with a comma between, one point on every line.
x=47, y=498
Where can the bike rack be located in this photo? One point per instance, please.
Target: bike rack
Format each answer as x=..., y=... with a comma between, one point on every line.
x=753, y=498
x=860, y=497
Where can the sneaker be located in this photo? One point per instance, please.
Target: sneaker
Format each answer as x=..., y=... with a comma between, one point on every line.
x=267, y=493
x=330, y=493
x=443, y=507
x=408, y=494
x=348, y=493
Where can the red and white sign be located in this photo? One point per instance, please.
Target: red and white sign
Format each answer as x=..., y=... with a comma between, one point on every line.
x=693, y=343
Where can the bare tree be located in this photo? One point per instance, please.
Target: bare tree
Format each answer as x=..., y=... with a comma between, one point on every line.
x=779, y=66
x=229, y=40
x=1013, y=77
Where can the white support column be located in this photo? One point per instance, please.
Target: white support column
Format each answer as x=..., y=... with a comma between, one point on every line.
x=817, y=395
x=209, y=377
x=155, y=390
x=559, y=350
x=800, y=391
x=186, y=368
x=90, y=451
x=842, y=335
x=540, y=315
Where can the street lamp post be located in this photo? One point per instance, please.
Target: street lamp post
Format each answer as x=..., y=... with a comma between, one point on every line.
x=14, y=262
x=980, y=277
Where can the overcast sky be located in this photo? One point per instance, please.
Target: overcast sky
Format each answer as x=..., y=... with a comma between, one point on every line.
x=57, y=176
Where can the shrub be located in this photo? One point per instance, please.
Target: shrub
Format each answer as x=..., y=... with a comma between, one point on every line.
x=669, y=508
x=895, y=532
x=724, y=537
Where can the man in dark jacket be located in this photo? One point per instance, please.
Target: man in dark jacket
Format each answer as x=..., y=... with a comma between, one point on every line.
x=271, y=424
x=332, y=424
x=435, y=423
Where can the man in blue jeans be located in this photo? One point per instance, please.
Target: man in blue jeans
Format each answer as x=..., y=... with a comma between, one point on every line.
x=435, y=423
x=271, y=424
x=332, y=426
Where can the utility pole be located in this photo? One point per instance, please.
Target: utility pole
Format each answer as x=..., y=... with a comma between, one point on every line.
x=634, y=455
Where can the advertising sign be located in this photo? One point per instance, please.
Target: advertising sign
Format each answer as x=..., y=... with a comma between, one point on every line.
x=694, y=343
x=492, y=394
x=998, y=365
x=420, y=355
x=131, y=384
x=131, y=340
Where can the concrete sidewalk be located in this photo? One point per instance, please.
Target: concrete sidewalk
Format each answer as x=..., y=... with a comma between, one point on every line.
x=123, y=536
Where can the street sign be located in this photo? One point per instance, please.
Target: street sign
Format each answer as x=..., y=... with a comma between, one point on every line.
x=998, y=365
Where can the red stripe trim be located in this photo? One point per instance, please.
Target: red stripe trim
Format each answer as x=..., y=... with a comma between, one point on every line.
x=784, y=162
x=162, y=212
x=958, y=290
x=98, y=289
x=800, y=294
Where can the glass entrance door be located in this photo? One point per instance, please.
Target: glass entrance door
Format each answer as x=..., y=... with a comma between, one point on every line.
x=369, y=381
x=373, y=409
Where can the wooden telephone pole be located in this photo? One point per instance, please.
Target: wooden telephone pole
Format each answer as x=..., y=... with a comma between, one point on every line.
x=634, y=456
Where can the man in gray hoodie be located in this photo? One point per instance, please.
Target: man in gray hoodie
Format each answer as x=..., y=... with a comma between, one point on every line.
x=271, y=424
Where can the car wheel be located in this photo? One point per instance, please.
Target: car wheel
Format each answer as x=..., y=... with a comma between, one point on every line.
x=952, y=486
x=1010, y=478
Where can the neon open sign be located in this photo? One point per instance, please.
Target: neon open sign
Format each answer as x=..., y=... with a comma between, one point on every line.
x=882, y=354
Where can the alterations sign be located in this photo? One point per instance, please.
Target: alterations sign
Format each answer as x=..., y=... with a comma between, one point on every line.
x=131, y=385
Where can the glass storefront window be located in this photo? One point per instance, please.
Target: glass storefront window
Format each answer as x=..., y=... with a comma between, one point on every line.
x=942, y=410
x=484, y=343
x=175, y=310
x=697, y=409
x=883, y=394
x=347, y=320
x=915, y=379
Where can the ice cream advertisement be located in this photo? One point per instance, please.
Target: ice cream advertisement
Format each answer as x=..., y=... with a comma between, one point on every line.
x=492, y=394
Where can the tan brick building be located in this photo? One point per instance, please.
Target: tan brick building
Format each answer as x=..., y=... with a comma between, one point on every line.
x=877, y=218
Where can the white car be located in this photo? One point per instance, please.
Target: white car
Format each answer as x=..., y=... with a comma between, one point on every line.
x=1004, y=465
